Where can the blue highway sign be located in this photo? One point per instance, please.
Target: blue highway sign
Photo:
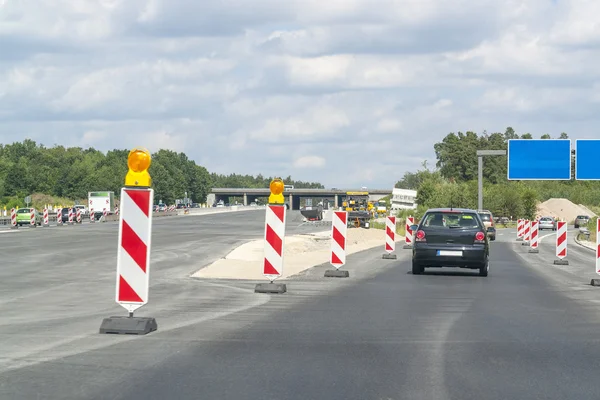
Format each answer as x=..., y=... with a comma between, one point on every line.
x=539, y=159
x=587, y=160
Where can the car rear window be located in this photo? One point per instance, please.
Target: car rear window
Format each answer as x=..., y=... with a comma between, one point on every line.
x=23, y=211
x=582, y=217
x=464, y=220
x=485, y=217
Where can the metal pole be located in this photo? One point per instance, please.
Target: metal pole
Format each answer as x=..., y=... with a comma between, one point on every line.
x=480, y=183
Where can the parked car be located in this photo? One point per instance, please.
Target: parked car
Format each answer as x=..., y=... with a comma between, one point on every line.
x=581, y=220
x=453, y=237
x=488, y=221
x=547, y=223
x=24, y=216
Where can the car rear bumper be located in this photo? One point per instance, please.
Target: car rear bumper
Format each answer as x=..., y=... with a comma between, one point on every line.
x=430, y=255
x=546, y=226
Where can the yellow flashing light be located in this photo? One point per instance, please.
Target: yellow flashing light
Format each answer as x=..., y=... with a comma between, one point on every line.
x=276, y=188
x=138, y=161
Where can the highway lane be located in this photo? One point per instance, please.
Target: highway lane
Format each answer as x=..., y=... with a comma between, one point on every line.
x=382, y=334
x=58, y=283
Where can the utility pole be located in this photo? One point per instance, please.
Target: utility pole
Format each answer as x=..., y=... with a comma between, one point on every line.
x=480, y=155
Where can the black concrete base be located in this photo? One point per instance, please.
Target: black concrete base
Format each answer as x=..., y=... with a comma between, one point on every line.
x=128, y=325
x=278, y=288
x=14, y=227
x=389, y=256
x=519, y=239
x=561, y=262
x=535, y=251
x=407, y=246
x=525, y=244
x=595, y=282
x=336, y=273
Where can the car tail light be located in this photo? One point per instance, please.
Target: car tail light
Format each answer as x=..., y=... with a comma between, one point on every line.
x=480, y=237
x=420, y=236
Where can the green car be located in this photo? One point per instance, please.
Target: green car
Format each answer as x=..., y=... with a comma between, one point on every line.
x=24, y=216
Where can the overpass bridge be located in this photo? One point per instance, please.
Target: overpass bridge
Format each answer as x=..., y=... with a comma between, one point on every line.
x=293, y=195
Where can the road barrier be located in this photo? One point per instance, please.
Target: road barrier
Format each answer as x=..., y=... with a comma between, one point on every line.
x=13, y=218
x=339, y=232
x=526, y=232
x=520, y=229
x=408, y=237
x=46, y=218
x=59, y=220
x=561, y=243
x=273, y=253
x=70, y=216
x=534, y=237
x=32, y=219
x=92, y=216
x=78, y=215
x=390, y=238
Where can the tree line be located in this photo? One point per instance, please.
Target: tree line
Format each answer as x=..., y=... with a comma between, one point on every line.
x=453, y=180
x=65, y=175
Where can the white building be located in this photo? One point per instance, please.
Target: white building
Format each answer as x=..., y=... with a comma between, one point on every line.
x=403, y=199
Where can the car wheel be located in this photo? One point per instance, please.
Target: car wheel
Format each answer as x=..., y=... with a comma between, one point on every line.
x=576, y=226
x=484, y=269
x=492, y=238
x=417, y=269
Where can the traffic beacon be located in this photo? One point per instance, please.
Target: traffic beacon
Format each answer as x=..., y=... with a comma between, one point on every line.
x=274, y=240
x=133, y=251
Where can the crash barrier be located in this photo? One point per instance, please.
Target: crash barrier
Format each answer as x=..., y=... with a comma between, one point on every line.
x=52, y=219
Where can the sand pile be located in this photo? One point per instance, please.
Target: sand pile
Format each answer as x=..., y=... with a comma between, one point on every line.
x=300, y=253
x=562, y=208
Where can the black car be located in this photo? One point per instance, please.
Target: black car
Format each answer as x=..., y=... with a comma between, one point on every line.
x=450, y=237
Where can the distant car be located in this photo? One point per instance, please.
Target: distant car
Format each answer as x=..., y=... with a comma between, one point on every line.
x=162, y=207
x=547, y=223
x=581, y=220
x=24, y=216
x=84, y=211
x=450, y=238
x=488, y=221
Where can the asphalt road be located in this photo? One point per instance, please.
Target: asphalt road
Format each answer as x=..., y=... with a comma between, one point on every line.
x=529, y=330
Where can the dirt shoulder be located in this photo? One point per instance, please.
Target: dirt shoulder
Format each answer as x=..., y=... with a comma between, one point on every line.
x=301, y=252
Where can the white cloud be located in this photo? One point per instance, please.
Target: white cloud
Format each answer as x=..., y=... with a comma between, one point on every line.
x=273, y=87
x=309, y=162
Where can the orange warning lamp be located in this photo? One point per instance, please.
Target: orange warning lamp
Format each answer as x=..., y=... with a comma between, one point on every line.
x=138, y=161
x=276, y=188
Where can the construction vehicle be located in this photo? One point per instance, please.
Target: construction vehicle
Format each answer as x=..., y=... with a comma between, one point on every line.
x=310, y=212
x=381, y=208
x=360, y=210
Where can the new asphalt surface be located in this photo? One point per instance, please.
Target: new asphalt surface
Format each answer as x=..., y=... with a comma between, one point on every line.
x=529, y=330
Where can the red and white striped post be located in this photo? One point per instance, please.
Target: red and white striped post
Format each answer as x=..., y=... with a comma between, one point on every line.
x=59, y=220
x=526, y=232
x=92, y=216
x=46, y=218
x=409, y=235
x=274, y=240
x=133, y=255
x=561, y=243
x=116, y=210
x=390, y=238
x=534, y=237
x=13, y=219
x=70, y=215
x=78, y=215
x=32, y=220
x=133, y=252
x=520, y=229
x=104, y=214
x=339, y=233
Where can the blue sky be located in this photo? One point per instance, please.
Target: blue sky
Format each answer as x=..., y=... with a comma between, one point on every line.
x=346, y=92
